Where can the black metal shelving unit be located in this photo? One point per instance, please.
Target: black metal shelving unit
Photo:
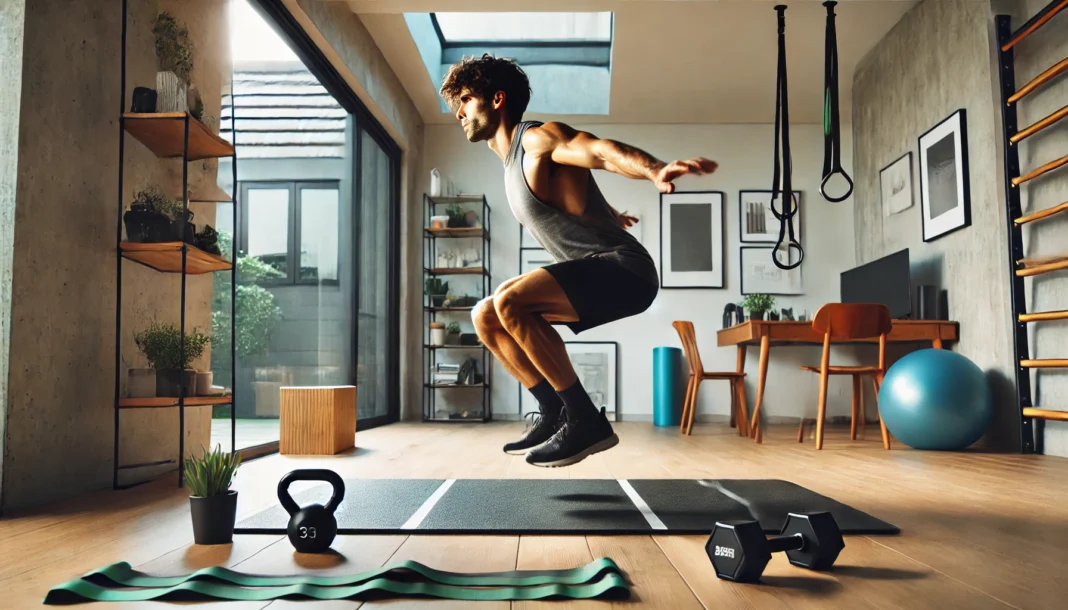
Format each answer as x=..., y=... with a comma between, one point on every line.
x=430, y=352
x=1019, y=266
x=170, y=135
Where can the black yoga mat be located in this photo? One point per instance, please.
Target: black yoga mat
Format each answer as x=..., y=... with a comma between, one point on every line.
x=564, y=506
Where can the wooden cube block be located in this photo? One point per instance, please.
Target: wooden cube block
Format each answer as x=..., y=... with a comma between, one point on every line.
x=317, y=420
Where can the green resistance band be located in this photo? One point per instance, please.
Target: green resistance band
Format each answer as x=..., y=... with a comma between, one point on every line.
x=600, y=578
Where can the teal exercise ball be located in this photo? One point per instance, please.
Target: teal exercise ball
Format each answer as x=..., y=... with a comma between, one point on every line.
x=936, y=399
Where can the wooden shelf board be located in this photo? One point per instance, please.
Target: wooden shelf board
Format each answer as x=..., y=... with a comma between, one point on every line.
x=455, y=385
x=190, y=401
x=449, y=200
x=458, y=270
x=167, y=257
x=453, y=346
x=456, y=232
x=163, y=133
x=469, y=308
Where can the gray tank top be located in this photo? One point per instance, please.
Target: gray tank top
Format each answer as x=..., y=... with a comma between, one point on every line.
x=565, y=237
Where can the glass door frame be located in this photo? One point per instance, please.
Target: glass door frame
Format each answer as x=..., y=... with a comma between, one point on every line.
x=278, y=16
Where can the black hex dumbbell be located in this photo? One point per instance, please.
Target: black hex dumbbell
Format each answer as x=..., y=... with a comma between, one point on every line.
x=739, y=550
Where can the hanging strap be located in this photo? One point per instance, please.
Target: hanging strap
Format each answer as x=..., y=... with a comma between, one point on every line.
x=601, y=578
x=782, y=173
x=832, y=136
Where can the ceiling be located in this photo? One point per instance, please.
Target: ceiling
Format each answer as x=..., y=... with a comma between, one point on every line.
x=689, y=61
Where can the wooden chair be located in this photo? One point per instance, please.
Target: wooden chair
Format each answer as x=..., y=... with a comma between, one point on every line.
x=849, y=321
x=739, y=412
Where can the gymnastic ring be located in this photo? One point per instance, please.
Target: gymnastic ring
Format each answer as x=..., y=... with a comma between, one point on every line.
x=789, y=244
x=824, y=184
x=785, y=215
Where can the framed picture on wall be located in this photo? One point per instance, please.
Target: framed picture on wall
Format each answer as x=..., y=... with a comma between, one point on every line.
x=691, y=240
x=945, y=197
x=756, y=220
x=596, y=363
x=760, y=275
x=895, y=182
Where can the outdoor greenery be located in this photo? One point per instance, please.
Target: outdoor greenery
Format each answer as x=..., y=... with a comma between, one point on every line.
x=257, y=313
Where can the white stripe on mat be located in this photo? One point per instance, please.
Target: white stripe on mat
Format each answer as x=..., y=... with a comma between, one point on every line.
x=650, y=516
x=424, y=510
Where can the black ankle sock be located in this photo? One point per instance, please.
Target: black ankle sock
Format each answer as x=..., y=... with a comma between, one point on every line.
x=548, y=400
x=577, y=402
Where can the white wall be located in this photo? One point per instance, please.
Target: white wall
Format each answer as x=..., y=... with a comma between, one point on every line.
x=745, y=155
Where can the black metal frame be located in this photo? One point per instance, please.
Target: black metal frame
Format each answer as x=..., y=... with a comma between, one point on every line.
x=723, y=239
x=530, y=52
x=289, y=29
x=1030, y=439
x=430, y=312
x=116, y=466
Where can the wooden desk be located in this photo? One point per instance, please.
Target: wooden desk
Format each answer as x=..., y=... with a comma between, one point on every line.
x=767, y=333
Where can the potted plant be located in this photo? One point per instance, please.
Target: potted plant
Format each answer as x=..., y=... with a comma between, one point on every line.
x=212, y=504
x=452, y=330
x=436, y=290
x=457, y=216
x=174, y=53
x=757, y=304
x=149, y=217
x=161, y=345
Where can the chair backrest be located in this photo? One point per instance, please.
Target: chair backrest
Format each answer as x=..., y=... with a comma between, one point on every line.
x=852, y=320
x=689, y=345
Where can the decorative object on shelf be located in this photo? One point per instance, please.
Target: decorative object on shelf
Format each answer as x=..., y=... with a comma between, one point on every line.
x=212, y=504
x=757, y=304
x=728, y=315
x=757, y=222
x=208, y=240
x=161, y=345
x=945, y=196
x=150, y=216
x=435, y=183
x=437, y=334
x=144, y=100
x=452, y=333
x=196, y=103
x=596, y=364
x=760, y=274
x=457, y=216
x=895, y=182
x=204, y=385
x=470, y=339
x=436, y=290
x=691, y=240
x=141, y=383
x=174, y=53
x=439, y=222
x=787, y=313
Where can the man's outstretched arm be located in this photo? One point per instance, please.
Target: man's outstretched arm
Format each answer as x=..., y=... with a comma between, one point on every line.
x=568, y=146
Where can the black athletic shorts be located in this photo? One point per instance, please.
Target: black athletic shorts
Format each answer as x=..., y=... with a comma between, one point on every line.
x=601, y=291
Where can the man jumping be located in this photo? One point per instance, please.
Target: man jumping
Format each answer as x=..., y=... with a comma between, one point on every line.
x=600, y=274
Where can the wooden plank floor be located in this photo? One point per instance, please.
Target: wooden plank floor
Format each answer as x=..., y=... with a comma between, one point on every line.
x=980, y=530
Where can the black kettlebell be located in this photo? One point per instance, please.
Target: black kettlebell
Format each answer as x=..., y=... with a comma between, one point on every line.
x=313, y=527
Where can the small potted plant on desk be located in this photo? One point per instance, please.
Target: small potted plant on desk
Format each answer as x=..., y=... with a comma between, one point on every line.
x=757, y=305
x=212, y=504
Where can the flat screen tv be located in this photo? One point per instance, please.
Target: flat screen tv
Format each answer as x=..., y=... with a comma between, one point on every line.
x=885, y=280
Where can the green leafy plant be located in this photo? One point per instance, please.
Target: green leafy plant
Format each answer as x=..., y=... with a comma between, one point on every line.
x=258, y=315
x=453, y=328
x=434, y=286
x=154, y=199
x=174, y=50
x=758, y=303
x=212, y=473
x=161, y=345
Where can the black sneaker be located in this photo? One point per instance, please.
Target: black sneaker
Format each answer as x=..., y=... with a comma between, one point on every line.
x=575, y=441
x=543, y=429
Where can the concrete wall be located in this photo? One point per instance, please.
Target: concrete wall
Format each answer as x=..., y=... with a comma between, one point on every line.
x=745, y=155
x=940, y=57
x=12, y=29
x=59, y=431
x=1049, y=292
x=349, y=46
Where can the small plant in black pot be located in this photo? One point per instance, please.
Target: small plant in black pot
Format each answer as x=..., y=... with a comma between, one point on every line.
x=161, y=345
x=212, y=504
x=436, y=290
x=757, y=305
x=149, y=217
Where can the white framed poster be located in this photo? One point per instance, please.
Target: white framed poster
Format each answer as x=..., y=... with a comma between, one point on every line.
x=945, y=196
x=895, y=182
x=596, y=364
x=691, y=240
x=756, y=218
x=760, y=275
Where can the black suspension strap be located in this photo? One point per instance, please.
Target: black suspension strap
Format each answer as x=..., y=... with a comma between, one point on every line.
x=782, y=173
x=832, y=137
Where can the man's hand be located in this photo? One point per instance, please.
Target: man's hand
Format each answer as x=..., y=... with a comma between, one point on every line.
x=673, y=170
x=626, y=220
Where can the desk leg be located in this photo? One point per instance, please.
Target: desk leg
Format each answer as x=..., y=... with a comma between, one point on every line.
x=754, y=426
x=743, y=406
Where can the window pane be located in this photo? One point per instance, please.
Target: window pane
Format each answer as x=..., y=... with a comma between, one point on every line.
x=457, y=27
x=318, y=234
x=376, y=317
x=268, y=226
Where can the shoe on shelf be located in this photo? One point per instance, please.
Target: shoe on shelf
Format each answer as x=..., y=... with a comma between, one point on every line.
x=575, y=441
x=545, y=426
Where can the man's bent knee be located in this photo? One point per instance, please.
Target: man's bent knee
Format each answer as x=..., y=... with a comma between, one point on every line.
x=484, y=316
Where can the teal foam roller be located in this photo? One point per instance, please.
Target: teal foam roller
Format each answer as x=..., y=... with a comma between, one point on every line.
x=669, y=388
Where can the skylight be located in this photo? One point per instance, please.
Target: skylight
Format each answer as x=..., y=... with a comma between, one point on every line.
x=525, y=27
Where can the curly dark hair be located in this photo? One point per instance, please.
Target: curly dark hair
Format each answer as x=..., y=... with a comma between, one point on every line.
x=484, y=76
